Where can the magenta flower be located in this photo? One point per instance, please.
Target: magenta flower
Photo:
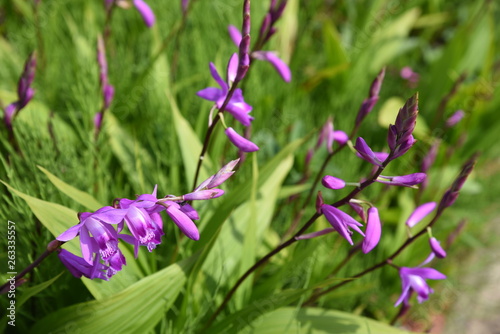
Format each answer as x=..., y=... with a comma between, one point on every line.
x=240, y=142
x=420, y=213
x=409, y=180
x=25, y=91
x=413, y=280
x=146, y=12
x=203, y=195
x=373, y=231
x=96, y=233
x=79, y=267
x=436, y=248
x=220, y=177
x=366, y=153
x=341, y=222
x=371, y=100
x=408, y=74
x=332, y=182
x=182, y=220
x=455, y=118
x=279, y=65
x=236, y=105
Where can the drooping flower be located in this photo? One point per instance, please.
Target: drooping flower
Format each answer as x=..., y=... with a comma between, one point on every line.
x=146, y=12
x=236, y=105
x=341, y=222
x=332, y=182
x=366, y=153
x=436, y=248
x=420, y=213
x=408, y=74
x=409, y=180
x=79, y=267
x=25, y=91
x=182, y=220
x=373, y=231
x=455, y=118
x=279, y=65
x=413, y=280
x=240, y=142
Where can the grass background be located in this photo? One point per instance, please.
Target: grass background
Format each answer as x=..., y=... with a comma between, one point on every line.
x=334, y=48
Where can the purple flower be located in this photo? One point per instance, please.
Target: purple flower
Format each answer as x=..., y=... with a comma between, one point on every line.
x=399, y=136
x=373, y=231
x=420, y=213
x=240, y=142
x=359, y=210
x=436, y=248
x=429, y=159
x=341, y=222
x=451, y=194
x=332, y=182
x=236, y=105
x=366, y=153
x=184, y=5
x=408, y=74
x=409, y=180
x=147, y=14
x=182, y=220
x=220, y=177
x=108, y=90
x=369, y=103
x=147, y=228
x=24, y=91
x=413, y=280
x=79, y=267
x=269, y=56
x=455, y=118
x=97, y=234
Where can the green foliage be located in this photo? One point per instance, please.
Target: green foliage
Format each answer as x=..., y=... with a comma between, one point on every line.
x=54, y=167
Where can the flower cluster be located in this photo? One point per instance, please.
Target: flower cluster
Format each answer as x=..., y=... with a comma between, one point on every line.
x=25, y=91
x=101, y=230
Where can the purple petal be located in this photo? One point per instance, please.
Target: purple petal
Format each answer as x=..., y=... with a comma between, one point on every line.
x=185, y=224
x=359, y=210
x=280, y=66
x=455, y=118
x=147, y=14
x=70, y=233
x=232, y=67
x=340, y=137
x=235, y=34
x=190, y=211
x=426, y=273
x=373, y=231
x=332, y=182
x=366, y=153
x=223, y=174
x=420, y=213
x=436, y=248
x=218, y=79
x=211, y=94
x=403, y=180
x=243, y=144
x=111, y=216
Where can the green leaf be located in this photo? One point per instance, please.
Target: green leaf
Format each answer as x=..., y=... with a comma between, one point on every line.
x=316, y=321
x=136, y=309
x=77, y=195
x=31, y=291
x=239, y=320
x=132, y=156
